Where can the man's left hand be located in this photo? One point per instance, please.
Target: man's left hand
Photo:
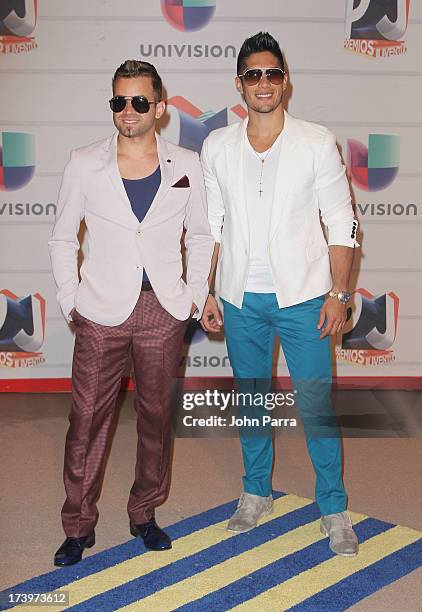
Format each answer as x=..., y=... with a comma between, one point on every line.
x=333, y=314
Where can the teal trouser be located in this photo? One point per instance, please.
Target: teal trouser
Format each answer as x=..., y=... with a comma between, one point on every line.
x=250, y=333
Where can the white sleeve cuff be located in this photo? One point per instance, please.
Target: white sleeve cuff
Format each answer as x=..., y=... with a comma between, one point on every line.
x=216, y=232
x=66, y=305
x=343, y=234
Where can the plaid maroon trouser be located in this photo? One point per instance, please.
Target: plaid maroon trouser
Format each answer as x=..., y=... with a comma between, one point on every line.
x=154, y=337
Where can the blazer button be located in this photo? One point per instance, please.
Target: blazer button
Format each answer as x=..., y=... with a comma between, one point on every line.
x=138, y=232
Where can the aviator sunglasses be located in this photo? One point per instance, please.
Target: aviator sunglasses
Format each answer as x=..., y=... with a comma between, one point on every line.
x=252, y=76
x=139, y=103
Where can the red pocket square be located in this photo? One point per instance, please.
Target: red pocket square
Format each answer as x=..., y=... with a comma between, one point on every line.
x=183, y=182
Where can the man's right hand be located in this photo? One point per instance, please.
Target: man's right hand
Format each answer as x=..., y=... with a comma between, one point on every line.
x=211, y=321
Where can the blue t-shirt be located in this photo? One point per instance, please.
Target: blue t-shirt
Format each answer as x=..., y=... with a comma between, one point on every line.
x=141, y=193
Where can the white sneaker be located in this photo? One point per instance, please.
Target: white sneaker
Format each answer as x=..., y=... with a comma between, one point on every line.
x=338, y=527
x=249, y=510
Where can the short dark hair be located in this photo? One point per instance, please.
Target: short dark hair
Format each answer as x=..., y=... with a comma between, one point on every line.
x=263, y=41
x=134, y=68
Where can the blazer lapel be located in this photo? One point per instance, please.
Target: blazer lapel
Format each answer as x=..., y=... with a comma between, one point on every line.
x=112, y=169
x=235, y=173
x=166, y=161
x=286, y=171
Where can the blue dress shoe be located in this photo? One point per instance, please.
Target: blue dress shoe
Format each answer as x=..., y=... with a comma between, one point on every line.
x=70, y=552
x=154, y=538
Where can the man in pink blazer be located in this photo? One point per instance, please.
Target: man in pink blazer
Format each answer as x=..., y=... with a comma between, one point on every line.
x=136, y=193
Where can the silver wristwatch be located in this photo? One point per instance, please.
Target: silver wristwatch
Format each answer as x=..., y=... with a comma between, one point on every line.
x=341, y=296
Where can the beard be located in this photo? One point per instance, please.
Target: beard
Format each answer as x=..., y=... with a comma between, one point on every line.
x=130, y=131
x=137, y=129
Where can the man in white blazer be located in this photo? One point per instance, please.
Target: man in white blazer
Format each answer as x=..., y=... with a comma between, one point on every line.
x=270, y=180
x=136, y=193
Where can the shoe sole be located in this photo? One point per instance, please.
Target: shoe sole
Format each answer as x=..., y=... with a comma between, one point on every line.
x=266, y=513
x=324, y=531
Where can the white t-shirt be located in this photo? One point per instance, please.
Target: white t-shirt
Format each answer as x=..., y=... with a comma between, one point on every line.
x=260, y=279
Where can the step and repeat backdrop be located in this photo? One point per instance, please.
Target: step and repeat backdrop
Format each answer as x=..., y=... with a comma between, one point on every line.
x=354, y=66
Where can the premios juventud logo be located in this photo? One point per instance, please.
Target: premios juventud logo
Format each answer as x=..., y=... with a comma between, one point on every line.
x=371, y=329
x=18, y=19
x=376, y=28
x=22, y=329
x=188, y=15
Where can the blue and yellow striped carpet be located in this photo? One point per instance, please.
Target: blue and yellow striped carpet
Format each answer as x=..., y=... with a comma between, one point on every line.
x=283, y=564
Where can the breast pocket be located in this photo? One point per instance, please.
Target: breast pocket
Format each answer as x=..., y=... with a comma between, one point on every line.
x=179, y=197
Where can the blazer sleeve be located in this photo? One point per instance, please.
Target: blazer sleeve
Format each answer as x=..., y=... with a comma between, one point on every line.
x=64, y=243
x=214, y=197
x=198, y=240
x=334, y=196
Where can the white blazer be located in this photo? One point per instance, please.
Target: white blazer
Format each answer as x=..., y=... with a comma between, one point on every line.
x=119, y=247
x=310, y=180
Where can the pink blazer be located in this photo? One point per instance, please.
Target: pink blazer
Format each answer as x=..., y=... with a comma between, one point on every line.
x=119, y=247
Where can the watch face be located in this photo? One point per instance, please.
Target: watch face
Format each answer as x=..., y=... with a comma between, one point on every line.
x=344, y=297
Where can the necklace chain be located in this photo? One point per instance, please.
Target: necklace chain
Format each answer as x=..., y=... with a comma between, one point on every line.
x=262, y=160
